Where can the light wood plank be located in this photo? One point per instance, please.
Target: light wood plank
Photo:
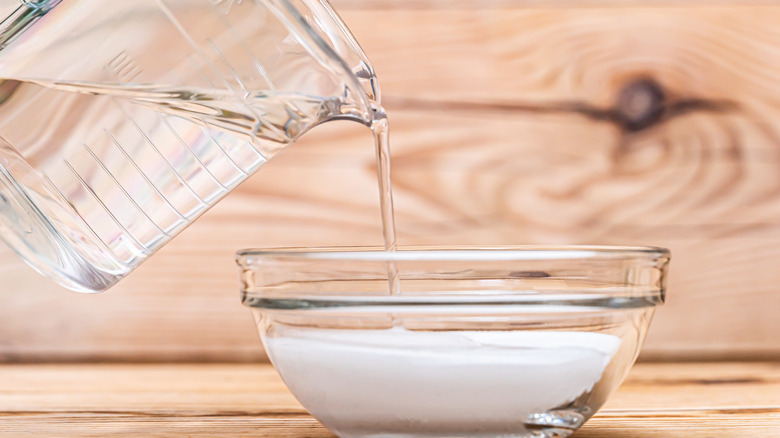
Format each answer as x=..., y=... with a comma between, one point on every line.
x=675, y=400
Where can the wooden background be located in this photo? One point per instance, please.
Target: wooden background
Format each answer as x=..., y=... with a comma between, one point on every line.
x=512, y=122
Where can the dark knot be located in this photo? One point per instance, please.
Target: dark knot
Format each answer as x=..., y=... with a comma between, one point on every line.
x=640, y=104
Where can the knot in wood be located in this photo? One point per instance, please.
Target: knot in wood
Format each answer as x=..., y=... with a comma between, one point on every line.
x=640, y=104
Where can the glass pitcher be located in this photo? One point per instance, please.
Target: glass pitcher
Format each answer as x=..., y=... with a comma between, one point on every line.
x=123, y=121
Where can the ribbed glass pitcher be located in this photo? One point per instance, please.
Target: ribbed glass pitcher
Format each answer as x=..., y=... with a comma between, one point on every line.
x=123, y=121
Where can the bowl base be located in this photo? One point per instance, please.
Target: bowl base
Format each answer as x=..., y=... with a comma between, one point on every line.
x=547, y=433
x=551, y=424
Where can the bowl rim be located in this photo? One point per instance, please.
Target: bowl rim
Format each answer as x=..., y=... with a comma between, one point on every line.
x=248, y=257
x=254, y=261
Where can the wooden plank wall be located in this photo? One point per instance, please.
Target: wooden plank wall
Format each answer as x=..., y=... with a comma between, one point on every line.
x=512, y=122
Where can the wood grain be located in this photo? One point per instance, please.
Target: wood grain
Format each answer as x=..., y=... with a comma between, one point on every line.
x=512, y=122
x=658, y=400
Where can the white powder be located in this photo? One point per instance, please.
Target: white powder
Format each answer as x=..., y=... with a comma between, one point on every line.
x=362, y=381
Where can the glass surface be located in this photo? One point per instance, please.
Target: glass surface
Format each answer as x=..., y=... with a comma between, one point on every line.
x=477, y=342
x=123, y=121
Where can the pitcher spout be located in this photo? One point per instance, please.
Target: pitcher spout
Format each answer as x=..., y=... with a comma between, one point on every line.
x=323, y=32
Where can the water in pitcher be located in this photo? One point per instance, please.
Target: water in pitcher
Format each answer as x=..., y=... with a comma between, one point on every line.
x=159, y=159
x=215, y=139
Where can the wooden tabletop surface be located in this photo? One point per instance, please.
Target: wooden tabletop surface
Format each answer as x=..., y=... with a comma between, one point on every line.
x=658, y=400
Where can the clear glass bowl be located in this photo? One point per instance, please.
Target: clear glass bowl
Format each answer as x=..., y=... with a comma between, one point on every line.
x=476, y=342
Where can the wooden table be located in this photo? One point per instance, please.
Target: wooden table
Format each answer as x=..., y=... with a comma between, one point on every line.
x=658, y=400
